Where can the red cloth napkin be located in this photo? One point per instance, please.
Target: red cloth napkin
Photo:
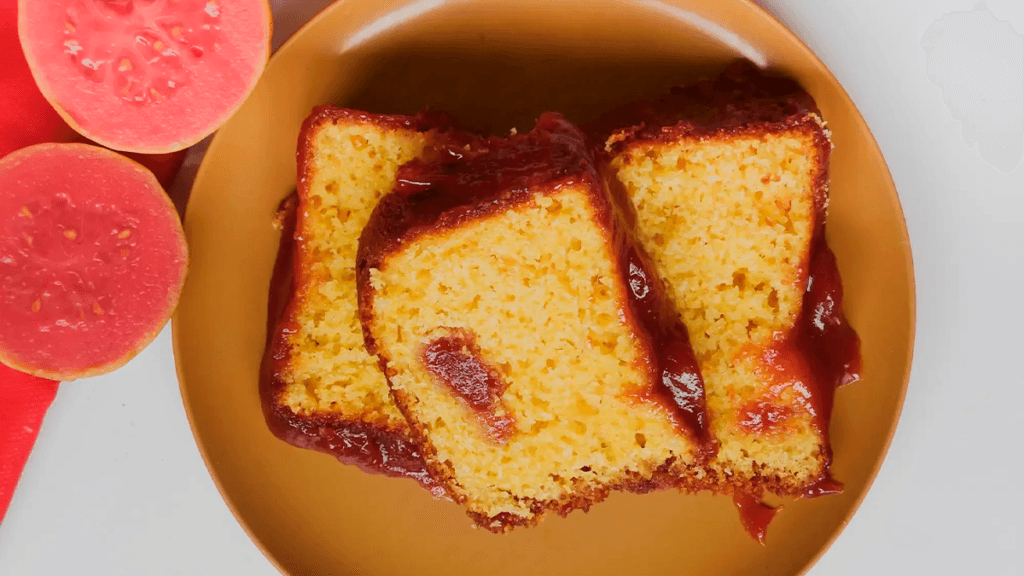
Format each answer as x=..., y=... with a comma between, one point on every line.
x=26, y=118
x=24, y=400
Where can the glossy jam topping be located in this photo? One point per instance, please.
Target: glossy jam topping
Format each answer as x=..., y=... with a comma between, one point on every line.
x=455, y=361
x=755, y=515
x=805, y=366
x=764, y=418
x=823, y=337
x=475, y=177
x=677, y=379
x=372, y=448
x=471, y=177
x=824, y=334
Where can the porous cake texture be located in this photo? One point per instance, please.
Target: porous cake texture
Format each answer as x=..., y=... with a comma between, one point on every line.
x=321, y=388
x=730, y=182
x=495, y=285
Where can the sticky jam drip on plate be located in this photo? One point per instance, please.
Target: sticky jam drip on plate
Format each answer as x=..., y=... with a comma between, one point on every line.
x=820, y=354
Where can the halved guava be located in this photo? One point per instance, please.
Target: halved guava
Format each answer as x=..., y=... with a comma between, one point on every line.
x=147, y=76
x=92, y=260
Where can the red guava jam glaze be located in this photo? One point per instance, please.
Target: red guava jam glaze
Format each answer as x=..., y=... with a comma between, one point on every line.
x=678, y=385
x=765, y=418
x=755, y=515
x=455, y=361
x=475, y=177
x=371, y=447
x=804, y=367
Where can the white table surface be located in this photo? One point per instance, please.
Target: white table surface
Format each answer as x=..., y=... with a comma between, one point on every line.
x=116, y=486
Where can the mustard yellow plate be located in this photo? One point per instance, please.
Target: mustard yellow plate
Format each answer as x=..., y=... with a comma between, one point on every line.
x=499, y=64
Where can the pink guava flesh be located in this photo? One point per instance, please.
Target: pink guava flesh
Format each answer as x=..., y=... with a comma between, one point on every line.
x=92, y=260
x=145, y=75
